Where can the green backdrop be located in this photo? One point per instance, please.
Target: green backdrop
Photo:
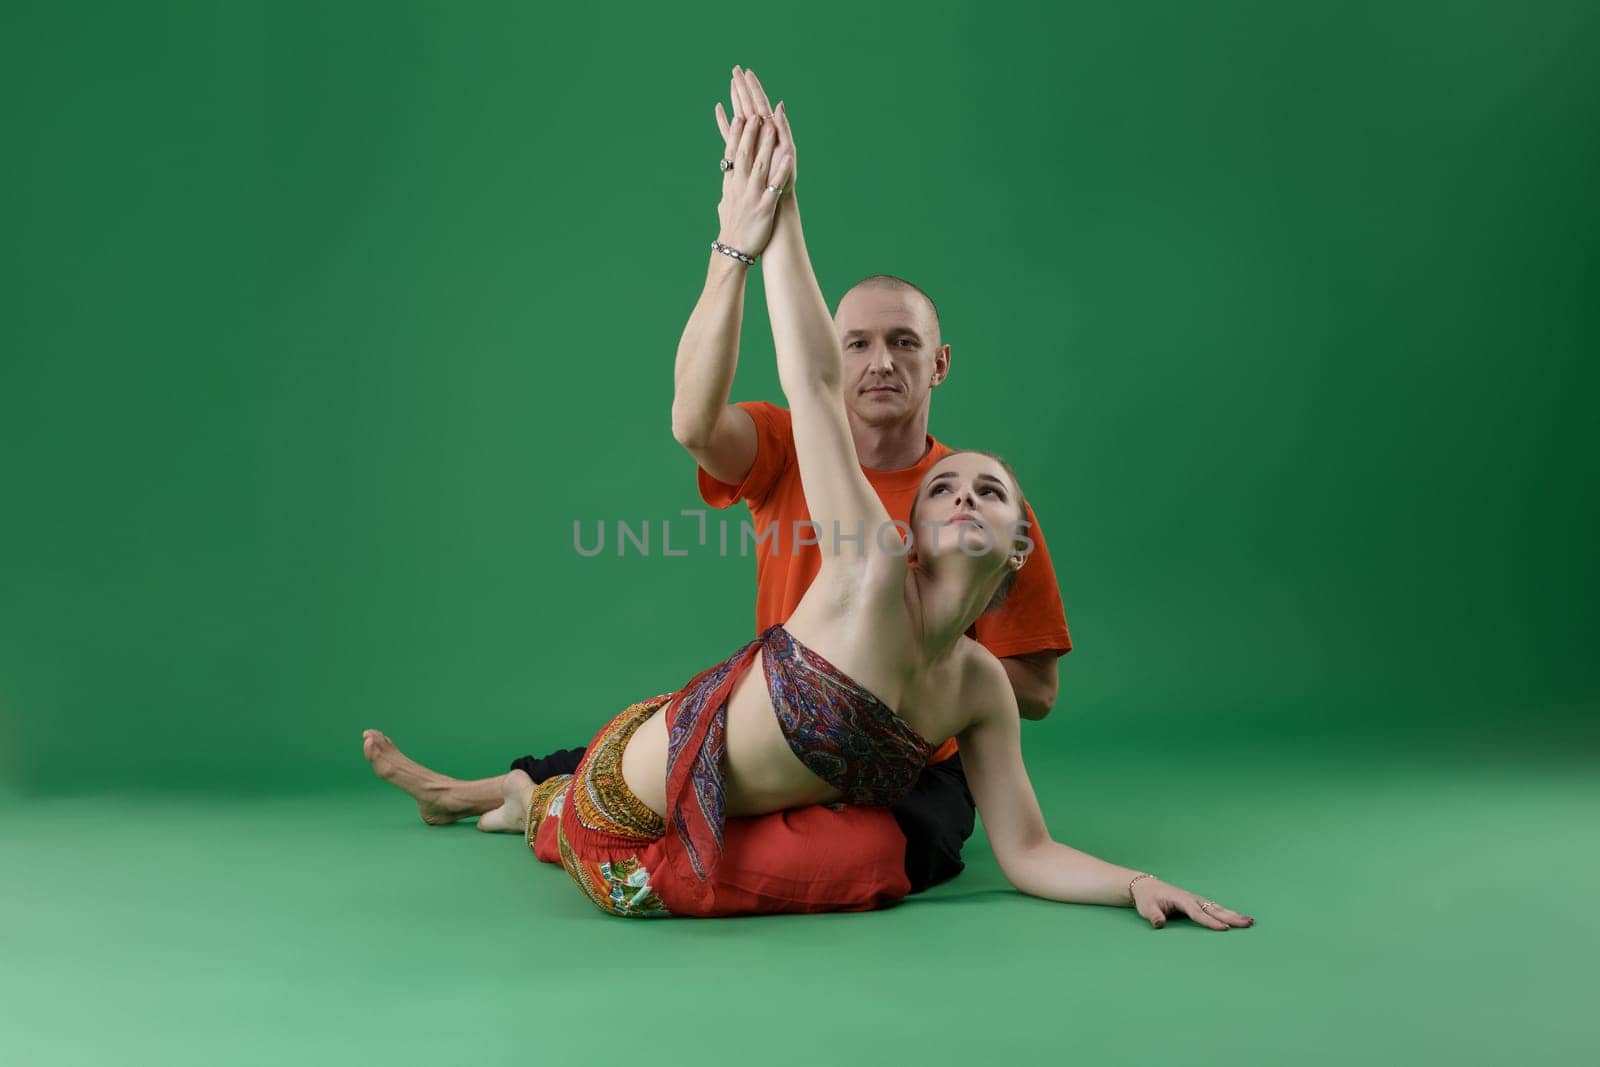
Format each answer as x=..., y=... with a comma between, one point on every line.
x=323, y=323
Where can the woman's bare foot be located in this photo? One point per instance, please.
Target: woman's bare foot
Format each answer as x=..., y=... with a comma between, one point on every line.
x=511, y=817
x=440, y=798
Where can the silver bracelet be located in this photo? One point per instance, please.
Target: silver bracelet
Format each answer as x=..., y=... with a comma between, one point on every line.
x=718, y=246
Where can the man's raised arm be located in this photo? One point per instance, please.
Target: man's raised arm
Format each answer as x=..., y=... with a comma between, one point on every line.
x=721, y=437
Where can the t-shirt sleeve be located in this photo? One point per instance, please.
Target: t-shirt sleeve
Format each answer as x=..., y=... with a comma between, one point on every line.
x=1031, y=618
x=774, y=452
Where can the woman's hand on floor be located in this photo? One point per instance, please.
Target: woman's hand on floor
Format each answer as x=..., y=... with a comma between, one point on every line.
x=1155, y=900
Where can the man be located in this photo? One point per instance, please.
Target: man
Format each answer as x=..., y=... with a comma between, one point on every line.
x=893, y=356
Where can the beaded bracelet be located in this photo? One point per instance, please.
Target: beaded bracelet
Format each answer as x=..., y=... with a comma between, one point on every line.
x=718, y=246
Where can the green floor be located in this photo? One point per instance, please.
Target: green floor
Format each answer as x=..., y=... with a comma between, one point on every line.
x=1406, y=914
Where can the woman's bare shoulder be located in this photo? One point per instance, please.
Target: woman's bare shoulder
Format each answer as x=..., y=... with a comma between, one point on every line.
x=984, y=684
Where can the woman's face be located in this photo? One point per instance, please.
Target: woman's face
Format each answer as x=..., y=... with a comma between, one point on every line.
x=967, y=503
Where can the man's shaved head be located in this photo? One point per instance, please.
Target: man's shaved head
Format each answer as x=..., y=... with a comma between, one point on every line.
x=894, y=284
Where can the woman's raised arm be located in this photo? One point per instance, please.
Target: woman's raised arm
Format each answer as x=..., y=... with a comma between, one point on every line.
x=849, y=516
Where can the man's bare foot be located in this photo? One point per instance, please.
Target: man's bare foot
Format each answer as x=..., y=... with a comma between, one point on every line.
x=510, y=817
x=440, y=798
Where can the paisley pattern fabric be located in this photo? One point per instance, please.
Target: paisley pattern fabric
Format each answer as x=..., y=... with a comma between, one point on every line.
x=697, y=723
x=842, y=733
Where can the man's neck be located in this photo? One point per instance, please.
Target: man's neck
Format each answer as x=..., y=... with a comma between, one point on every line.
x=891, y=446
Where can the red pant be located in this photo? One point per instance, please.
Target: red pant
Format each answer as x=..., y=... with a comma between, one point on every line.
x=809, y=859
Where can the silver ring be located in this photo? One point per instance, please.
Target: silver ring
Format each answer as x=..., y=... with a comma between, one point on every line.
x=1207, y=905
x=726, y=165
x=775, y=189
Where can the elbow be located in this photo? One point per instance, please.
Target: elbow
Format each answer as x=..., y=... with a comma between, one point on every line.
x=1038, y=702
x=1025, y=868
x=690, y=431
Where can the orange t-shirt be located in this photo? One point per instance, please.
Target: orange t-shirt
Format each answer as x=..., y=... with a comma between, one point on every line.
x=1030, y=619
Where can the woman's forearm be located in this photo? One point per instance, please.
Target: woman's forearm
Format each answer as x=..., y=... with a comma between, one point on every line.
x=1059, y=872
x=708, y=353
x=802, y=329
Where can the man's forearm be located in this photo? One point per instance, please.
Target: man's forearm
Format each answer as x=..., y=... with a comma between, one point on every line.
x=708, y=353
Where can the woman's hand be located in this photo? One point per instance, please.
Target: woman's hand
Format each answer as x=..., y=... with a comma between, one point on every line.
x=749, y=98
x=1155, y=900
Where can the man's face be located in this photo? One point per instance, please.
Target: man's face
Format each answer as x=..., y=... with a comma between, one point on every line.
x=892, y=355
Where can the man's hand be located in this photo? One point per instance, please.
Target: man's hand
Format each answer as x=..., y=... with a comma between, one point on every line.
x=750, y=189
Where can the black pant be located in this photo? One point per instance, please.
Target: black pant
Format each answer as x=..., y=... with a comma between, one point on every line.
x=936, y=816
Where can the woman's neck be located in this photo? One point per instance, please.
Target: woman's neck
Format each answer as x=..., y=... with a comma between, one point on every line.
x=945, y=605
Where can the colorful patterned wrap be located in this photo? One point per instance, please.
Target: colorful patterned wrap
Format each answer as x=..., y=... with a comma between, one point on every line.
x=844, y=734
x=603, y=827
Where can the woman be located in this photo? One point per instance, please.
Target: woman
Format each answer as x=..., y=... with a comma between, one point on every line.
x=846, y=700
